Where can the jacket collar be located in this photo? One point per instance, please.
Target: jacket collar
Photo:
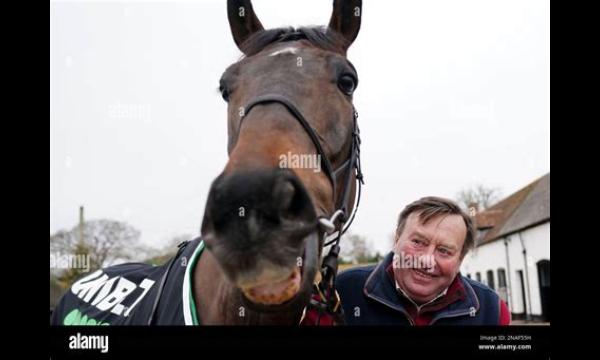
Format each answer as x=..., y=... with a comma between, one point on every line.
x=379, y=287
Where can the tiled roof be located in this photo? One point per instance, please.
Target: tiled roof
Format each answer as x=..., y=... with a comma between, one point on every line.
x=525, y=208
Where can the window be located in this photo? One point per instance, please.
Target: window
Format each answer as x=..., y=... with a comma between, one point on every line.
x=478, y=276
x=501, y=278
x=490, y=279
x=502, y=290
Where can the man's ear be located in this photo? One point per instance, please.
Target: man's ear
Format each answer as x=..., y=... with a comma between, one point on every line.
x=345, y=19
x=242, y=20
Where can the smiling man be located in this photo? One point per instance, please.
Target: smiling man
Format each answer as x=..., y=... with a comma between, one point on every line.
x=419, y=283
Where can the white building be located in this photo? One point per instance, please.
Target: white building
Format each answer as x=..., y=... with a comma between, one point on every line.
x=512, y=254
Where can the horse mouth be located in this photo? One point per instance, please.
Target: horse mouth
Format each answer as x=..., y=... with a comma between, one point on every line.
x=286, y=291
x=275, y=292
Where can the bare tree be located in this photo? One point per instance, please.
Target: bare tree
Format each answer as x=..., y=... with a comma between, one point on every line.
x=357, y=250
x=111, y=241
x=162, y=255
x=482, y=196
x=104, y=243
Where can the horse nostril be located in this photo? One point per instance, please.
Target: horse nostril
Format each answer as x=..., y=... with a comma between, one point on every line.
x=283, y=195
x=257, y=201
x=291, y=200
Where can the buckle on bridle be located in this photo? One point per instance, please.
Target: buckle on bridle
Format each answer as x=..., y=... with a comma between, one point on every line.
x=325, y=305
x=328, y=225
x=337, y=300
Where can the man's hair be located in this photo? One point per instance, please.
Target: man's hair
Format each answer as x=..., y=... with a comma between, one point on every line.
x=431, y=207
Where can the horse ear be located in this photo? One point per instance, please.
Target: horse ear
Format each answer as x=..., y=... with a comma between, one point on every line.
x=345, y=19
x=242, y=20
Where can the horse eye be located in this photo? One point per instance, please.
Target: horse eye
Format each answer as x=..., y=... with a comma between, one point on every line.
x=347, y=84
x=224, y=93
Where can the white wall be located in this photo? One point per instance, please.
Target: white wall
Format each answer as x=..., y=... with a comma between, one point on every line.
x=492, y=256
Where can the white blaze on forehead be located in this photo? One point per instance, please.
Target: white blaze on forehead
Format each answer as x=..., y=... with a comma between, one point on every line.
x=287, y=50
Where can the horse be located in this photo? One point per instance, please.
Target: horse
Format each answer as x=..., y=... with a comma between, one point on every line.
x=267, y=220
x=265, y=224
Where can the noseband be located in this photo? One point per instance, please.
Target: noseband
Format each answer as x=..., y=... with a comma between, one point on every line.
x=339, y=217
x=338, y=222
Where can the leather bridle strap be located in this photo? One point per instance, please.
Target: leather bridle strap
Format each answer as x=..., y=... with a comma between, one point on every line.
x=274, y=98
x=340, y=216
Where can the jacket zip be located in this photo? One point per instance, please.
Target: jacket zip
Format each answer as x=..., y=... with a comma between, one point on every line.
x=410, y=320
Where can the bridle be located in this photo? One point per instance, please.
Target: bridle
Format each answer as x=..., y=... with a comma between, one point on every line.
x=337, y=224
x=352, y=162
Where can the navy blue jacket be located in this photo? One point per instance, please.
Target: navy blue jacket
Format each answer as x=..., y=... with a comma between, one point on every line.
x=369, y=297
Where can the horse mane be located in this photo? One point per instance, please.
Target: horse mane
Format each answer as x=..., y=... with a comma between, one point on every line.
x=319, y=36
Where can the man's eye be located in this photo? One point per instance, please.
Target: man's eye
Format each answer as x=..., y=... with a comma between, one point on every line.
x=444, y=251
x=417, y=242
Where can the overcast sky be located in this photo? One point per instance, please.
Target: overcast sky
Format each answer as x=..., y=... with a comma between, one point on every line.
x=452, y=94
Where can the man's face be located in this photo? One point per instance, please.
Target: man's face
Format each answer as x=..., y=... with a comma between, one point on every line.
x=431, y=255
